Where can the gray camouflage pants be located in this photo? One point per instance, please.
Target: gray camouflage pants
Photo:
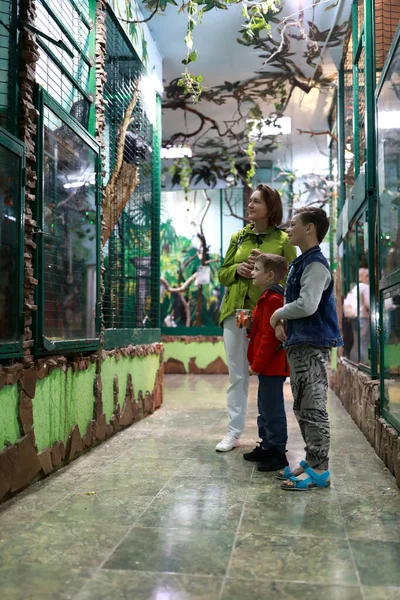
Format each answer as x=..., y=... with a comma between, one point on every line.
x=309, y=383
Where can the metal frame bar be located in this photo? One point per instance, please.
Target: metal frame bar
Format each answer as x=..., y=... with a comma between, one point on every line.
x=156, y=221
x=370, y=172
x=341, y=135
x=42, y=344
x=354, y=35
x=7, y=140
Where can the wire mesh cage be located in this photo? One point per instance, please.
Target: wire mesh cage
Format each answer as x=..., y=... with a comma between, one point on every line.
x=387, y=17
x=8, y=65
x=63, y=69
x=128, y=209
x=361, y=108
x=348, y=114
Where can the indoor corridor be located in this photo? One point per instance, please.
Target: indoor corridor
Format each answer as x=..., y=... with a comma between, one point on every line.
x=155, y=513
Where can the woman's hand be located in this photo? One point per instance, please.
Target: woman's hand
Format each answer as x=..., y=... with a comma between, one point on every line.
x=244, y=269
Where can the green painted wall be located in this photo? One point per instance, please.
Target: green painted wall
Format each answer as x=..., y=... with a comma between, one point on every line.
x=143, y=370
x=204, y=352
x=61, y=401
x=9, y=426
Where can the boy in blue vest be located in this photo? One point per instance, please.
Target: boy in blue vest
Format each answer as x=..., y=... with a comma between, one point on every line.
x=312, y=329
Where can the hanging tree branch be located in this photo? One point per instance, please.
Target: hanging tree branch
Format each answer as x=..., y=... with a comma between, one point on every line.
x=314, y=133
x=153, y=14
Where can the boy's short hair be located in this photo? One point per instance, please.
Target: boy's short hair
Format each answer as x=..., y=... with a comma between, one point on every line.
x=316, y=216
x=272, y=262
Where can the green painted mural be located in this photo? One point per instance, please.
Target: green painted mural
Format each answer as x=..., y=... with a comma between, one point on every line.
x=9, y=426
x=143, y=370
x=197, y=355
x=61, y=401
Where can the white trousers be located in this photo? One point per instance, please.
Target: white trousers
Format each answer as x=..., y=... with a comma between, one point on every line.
x=236, y=344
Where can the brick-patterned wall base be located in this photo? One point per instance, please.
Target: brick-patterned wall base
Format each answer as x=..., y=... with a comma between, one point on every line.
x=21, y=463
x=360, y=397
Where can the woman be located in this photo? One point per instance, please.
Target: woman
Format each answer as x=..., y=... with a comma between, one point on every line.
x=265, y=213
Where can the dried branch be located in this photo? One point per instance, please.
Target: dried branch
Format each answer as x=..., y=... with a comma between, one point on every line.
x=153, y=14
x=231, y=213
x=180, y=289
x=314, y=133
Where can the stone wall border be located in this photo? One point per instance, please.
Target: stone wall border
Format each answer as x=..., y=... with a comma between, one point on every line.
x=360, y=395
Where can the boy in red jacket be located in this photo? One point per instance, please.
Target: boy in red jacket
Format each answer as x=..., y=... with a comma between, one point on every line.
x=267, y=359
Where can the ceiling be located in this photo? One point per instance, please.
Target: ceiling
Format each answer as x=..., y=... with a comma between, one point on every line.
x=272, y=76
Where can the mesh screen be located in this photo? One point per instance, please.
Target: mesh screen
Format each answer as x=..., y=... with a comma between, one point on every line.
x=348, y=115
x=128, y=205
x=50, y=73
x=361, y=107
x=387, y=17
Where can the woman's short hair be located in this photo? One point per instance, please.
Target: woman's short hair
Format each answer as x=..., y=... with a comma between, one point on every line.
x=273, y=200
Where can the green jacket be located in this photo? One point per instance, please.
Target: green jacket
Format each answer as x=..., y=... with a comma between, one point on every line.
x=241, y=293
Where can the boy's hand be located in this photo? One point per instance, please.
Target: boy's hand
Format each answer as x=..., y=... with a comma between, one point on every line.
x=251, y=372
x=274, y=320
x=280, y=332
x=248, y=322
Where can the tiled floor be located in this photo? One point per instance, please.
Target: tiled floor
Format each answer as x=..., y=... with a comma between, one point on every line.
x=156, y=513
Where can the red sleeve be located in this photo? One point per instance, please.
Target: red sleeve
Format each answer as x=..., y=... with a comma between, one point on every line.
x=268, y=344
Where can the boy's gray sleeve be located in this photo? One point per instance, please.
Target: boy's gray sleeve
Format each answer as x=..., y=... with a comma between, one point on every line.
x=314, y=281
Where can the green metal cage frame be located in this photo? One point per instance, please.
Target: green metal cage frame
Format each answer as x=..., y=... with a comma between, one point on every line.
x=119, y=337
x=15, y=349
x=42, y=345
x=390, y=282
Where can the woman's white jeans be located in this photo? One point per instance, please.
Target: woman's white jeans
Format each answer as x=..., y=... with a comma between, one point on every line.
x=236, y=343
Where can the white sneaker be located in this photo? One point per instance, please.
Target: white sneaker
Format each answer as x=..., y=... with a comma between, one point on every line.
x=228, y=443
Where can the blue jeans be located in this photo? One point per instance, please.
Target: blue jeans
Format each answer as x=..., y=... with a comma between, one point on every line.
x=272, y=426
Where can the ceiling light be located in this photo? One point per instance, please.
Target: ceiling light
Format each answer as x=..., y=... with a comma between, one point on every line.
x=263, y=128
x=176, y=152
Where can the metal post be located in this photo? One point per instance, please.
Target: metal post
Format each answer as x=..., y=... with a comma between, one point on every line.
x=156, y=221
x=341, y=136
x=370, y=110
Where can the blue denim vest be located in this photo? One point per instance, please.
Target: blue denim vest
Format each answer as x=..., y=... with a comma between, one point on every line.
x=320, y=329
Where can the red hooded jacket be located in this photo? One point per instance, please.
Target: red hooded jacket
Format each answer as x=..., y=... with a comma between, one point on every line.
x=263, y=354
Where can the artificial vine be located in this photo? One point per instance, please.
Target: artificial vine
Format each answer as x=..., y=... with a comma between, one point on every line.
x=191, y=84
x=181, y=174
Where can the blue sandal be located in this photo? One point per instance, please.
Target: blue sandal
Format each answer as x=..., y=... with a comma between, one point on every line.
x=287, y=471
x=312, y=482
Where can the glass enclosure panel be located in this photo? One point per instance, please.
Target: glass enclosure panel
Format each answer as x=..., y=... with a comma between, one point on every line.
x=10, y=182
x=389, y=168
x=363, y=292
x=69, y=206
x=391, y=351
x=349, y=297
